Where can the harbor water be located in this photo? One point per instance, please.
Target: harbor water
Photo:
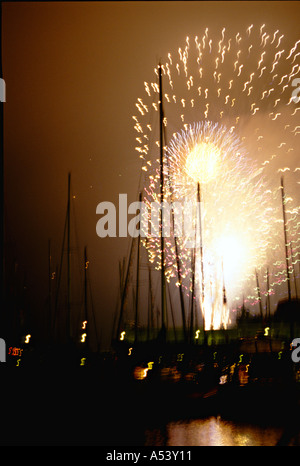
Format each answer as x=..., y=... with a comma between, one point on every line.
x=215, y=431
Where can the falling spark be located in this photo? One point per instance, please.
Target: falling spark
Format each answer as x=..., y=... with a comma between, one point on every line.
x=229, y=137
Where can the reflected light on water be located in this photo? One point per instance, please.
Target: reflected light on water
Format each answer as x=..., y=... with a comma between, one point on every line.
x=214, y=431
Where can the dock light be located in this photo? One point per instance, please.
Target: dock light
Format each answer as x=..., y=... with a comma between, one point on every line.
x=140, y=373
x=84, y=324
x=197, y=334
x=129, y=351
x=122, y=336
x=27, y=338
x=83, y=337
x=266, y=334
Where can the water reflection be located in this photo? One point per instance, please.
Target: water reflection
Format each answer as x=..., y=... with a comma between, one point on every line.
x=213, y=431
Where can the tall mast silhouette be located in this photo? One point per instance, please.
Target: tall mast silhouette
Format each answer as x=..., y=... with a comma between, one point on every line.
x=162, y=246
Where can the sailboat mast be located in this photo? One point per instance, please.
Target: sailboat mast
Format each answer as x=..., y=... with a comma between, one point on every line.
x=193, y=294
x=137, y=276
x=172, y=315
x=201, y=254
x=84, y=326
x=259, y=296
x=163, y=284
x=178, y=265
x=285, y=240
x=268, y=296
x=2, y=288
x=85, y=284
x=68, y=259
x=150, y=305
x=180, y=288
x=48, y=321
x=224, y=295
x=124, y=290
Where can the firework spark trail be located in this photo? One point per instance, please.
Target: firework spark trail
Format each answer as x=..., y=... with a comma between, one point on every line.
x=231, y=125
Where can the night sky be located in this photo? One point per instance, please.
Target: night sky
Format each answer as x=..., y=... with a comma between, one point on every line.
x=73, y=72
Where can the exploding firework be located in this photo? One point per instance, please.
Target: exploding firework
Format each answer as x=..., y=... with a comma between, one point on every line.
x=230, y=126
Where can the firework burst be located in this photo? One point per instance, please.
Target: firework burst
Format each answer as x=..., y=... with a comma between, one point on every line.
x=230, y=123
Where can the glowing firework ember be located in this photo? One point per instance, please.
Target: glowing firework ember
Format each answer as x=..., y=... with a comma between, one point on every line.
x=230, y=125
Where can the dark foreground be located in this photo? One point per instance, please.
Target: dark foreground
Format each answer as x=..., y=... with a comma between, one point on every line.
x=80, y=406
